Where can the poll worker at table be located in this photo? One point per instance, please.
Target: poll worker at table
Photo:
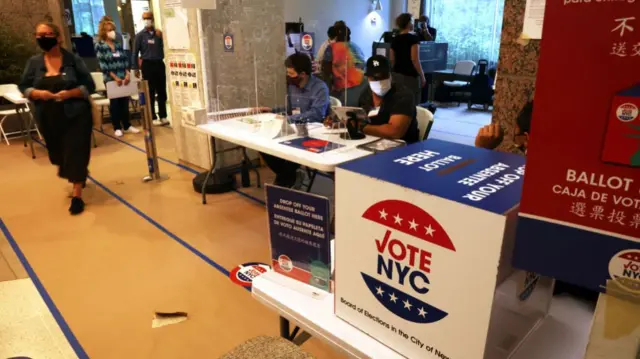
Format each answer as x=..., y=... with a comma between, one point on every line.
x=114, y=64
x=309, y=102
x=59, y=85
x=149, y=45
x=396, y=109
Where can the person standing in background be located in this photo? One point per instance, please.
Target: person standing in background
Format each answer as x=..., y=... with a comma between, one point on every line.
x=59, y=85
x=331, y=38
x=115, y=67
x=426, y=32
x=405, y=58
x=119, y=38
x=149, y=44
x=344, y=64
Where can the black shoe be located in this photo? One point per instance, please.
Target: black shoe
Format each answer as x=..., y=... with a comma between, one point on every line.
x=77, y=206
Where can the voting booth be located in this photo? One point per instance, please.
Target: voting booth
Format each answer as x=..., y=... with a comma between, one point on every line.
x=424, y=236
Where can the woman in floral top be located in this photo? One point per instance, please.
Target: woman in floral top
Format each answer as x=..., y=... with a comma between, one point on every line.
x=115, y=66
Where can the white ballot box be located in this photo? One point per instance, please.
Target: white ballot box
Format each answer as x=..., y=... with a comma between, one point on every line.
x=424, y=236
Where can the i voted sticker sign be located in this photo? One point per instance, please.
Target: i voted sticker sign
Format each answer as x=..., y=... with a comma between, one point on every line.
x=244, y=274
x=228, y=42
x=627, y=112
x=307, y=42
x=403, y=263
x=624, y=269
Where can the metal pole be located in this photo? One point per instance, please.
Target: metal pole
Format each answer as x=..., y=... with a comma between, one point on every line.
x=149, y=138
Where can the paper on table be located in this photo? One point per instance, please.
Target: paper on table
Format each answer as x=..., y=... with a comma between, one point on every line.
x=533, y=19
x=115, y=91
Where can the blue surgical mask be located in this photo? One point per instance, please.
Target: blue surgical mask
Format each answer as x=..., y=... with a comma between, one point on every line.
x=380, y=88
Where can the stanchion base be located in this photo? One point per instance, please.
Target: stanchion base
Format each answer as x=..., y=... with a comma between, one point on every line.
x=219, y=182
x=150, y=178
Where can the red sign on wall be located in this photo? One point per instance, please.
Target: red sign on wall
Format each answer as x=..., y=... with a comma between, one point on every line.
x=581, y=198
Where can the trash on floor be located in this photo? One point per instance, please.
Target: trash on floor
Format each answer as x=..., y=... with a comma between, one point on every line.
x=162, y=319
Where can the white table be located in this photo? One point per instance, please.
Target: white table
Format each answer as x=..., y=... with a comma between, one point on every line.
x=564, y=334
x=21, y=105
x=245, y=136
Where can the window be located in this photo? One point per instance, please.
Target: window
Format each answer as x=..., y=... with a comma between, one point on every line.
x=471, y=27
x=87, y=15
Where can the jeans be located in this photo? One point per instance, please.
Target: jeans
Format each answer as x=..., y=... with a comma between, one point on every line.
x=119, y=110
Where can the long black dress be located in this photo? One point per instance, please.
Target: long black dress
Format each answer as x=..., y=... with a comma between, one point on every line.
x=68, y=140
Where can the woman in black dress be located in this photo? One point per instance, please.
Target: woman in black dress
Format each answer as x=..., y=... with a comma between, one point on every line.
x=59, y=85
x=405, y=58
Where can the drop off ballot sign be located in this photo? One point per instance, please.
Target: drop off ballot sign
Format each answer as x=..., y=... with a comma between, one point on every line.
x=580, y=210
x=420, y=233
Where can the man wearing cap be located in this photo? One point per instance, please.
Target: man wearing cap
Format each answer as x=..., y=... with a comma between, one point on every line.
x=150, y=45
x=396, y=117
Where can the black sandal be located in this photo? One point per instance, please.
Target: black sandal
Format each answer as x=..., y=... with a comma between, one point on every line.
x=77, y=206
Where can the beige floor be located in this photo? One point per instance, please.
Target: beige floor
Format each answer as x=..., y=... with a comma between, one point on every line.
x=110, y=269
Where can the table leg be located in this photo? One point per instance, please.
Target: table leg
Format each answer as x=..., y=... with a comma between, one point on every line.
x=312, y=179
x=294, y=337
x=284, y=328
x=254, y=168
x=211, y=171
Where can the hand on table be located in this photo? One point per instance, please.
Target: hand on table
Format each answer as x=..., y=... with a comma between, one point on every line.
x=490, y=136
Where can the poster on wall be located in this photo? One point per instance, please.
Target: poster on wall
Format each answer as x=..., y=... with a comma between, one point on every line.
x=580, y=211
x=228, y=43
x=299, y=233
x=533, y=19
x=176, y=25
x=413, y=8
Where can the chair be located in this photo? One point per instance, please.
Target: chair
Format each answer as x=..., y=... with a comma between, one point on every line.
x=6, y=89
x=464, y=68
x=334, y=102
x=425, y=121
x=99, y=98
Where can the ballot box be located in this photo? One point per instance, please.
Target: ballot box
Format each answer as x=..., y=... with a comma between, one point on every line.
x=424, y=236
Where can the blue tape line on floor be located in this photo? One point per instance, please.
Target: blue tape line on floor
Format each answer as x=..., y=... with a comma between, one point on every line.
x=181, y=166
x=66, y=330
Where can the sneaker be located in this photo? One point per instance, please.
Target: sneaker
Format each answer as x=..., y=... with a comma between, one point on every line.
x=157, y=122
x=132, y=129
x=119, y=133
x=164, y=121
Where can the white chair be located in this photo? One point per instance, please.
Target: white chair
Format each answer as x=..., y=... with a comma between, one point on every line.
x=464, y=67
x=334, y=102
x=99, y=98
x=6, y=89
x=425, y=121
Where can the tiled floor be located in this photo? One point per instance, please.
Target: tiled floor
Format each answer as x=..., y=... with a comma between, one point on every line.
x=27, y=328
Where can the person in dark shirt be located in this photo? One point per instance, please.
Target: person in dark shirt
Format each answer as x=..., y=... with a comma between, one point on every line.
x=405, y=58
x=149, y=44
x=426, y=32
x=396, y=109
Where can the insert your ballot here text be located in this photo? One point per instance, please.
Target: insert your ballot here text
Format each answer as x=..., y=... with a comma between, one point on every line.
x=482, y=184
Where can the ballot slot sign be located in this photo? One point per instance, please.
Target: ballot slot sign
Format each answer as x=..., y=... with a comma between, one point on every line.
x=299, y=232
x=581, y=201
x=428, y=223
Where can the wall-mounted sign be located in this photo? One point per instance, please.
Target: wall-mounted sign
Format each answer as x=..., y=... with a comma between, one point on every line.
x=307, y=43
x=228, y=42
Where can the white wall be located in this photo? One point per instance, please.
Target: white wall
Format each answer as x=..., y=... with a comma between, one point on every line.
x=318, y=15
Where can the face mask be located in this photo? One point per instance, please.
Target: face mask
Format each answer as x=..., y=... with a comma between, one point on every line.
x=47, y=43
x=294, y=80
x=380, y=88
x=148, y=23
x=111, y=34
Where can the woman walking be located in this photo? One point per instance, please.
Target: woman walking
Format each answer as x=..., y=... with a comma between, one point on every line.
x=405, y=58
x=114, y=64
x=59, y=85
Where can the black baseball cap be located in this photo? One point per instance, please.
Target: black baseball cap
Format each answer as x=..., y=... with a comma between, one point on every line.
x=378, y=67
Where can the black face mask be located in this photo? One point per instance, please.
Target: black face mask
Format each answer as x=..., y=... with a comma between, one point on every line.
x=295, y=81
x=47, y=43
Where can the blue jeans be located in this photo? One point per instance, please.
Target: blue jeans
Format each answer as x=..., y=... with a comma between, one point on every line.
x=119, y=111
